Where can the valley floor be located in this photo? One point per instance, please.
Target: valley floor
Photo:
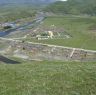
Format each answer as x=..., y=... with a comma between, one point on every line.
x=25, y=77
x=82, y=31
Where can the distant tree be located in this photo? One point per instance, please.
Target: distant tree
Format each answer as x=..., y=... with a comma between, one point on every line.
x=7, y=27
x=44, y=34
x=23, y=48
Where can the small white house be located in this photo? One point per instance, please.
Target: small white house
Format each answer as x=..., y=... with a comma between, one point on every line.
x=50, y=33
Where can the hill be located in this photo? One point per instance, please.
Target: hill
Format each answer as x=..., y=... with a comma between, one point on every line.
x=3, y=2
x=73, y=7
x=13, y=12
x=48, y=78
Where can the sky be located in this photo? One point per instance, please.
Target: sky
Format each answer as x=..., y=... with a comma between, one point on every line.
x=62, y=0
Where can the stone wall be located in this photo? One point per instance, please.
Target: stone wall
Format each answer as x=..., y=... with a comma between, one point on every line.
x=52, y=52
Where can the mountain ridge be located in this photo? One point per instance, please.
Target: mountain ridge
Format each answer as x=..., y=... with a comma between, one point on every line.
x=73, y=7
x=26, y=1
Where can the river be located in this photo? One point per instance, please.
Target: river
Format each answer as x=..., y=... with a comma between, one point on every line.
x=22, y=27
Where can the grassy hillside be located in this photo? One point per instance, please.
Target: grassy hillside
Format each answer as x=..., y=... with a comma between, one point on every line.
x=73, y=7
x=48, y=78
x=14, y=12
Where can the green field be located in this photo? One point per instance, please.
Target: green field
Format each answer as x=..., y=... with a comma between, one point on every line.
x=48, y=78
x=82, y=30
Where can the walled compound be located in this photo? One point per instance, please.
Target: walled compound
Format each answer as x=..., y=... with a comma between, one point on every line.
x=38, y=51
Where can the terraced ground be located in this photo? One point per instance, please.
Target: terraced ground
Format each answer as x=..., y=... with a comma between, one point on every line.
x=82, y=30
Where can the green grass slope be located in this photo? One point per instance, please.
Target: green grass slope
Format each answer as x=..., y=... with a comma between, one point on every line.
x=14, y=12
x=48, y=78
